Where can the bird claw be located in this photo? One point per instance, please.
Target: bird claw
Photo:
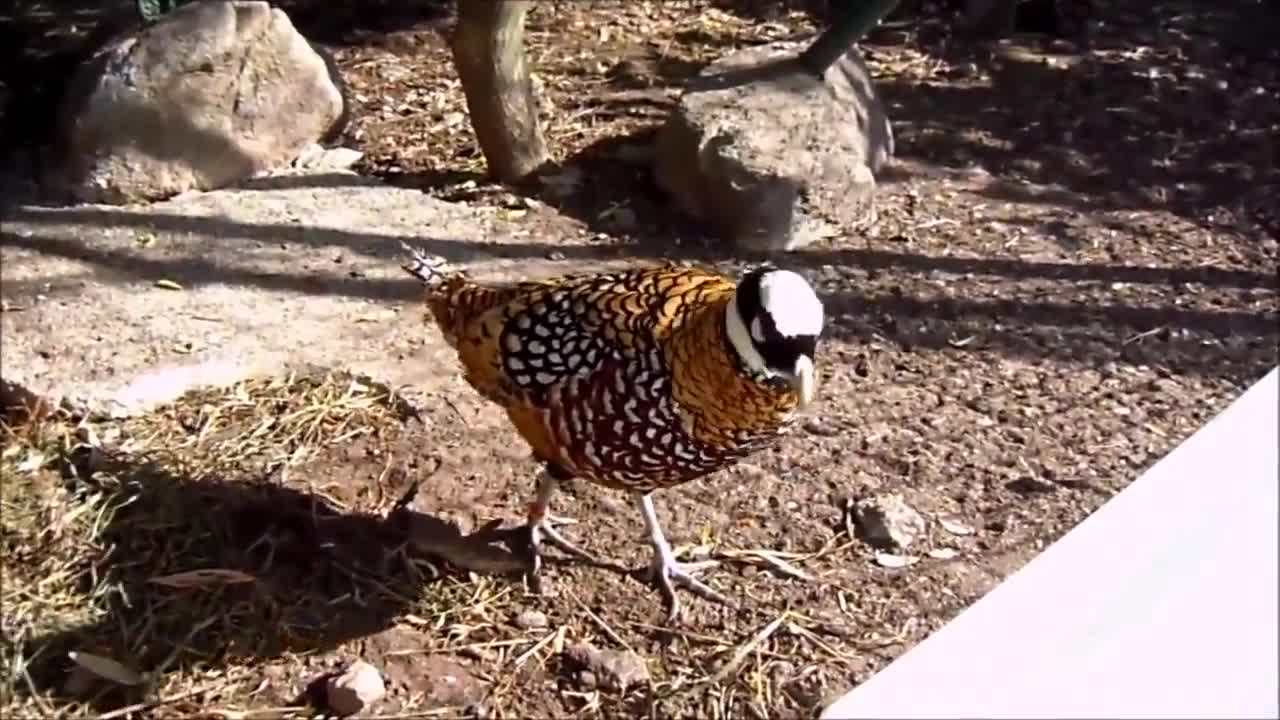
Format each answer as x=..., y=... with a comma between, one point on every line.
x=545, y=532
x=667, y=573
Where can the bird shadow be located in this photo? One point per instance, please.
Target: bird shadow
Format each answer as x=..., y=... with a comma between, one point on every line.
x=294, y=572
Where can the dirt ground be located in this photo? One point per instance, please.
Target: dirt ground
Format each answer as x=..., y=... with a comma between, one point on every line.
x=1073, y=266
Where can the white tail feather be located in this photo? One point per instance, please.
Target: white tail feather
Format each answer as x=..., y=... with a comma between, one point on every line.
x=429, y=270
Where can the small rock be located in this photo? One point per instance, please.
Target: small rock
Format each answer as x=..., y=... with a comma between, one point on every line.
x=822, y=428
x=358, y=687
x=890, y=560
x=531, y=620
x=888, y=522
x=607, y=668
x=317, y=157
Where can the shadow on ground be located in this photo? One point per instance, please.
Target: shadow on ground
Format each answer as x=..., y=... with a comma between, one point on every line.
x=873, y=294
x=321, y=576
x=1160, y=106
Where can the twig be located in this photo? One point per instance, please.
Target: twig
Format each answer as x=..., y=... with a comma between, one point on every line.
x=412, y=492
x=750, y=645
x=813, y=638
x=769, y=559
x=536, y=647
x=177, y=650
x=1141, y=335
x=448, y=401
x=130, y=709
x=407, y=497
x=600, y=623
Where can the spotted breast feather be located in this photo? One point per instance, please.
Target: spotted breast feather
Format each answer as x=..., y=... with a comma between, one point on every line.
x=625, y=378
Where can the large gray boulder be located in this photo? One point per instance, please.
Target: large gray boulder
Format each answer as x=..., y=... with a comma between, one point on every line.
x=770, y=156
x=213, y=93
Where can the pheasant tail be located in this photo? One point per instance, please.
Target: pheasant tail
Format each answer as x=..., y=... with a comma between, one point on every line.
x=451, y=297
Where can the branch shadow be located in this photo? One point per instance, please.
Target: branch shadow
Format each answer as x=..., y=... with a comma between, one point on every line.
x=1164, y=107
x=884, y=260
x=1235, y=345
x=1013, y=327
x=197, y=269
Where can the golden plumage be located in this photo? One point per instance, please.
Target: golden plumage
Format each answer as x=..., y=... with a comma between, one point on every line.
x=630, y=379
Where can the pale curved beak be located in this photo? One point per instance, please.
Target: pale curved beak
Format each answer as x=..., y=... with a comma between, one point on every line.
x=803, y=380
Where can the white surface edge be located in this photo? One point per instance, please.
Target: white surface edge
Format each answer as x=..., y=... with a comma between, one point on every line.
x=1162, y=603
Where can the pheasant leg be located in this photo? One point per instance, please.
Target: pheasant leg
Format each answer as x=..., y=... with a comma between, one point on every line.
x=541, y=529
x=667, y=571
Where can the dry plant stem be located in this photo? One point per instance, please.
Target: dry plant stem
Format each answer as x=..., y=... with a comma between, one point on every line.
x=488, y=52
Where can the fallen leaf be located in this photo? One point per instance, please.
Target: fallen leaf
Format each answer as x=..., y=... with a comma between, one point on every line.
x=168, y=285
x=954, y=527
x=890, y=560
x=106, y=668
x=202, y=578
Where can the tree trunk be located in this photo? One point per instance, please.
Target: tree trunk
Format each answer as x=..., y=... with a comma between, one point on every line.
x=850, y=25
x=488, y=52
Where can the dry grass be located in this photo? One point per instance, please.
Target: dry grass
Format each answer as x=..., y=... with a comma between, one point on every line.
x=188, y=549
x=240, y=480
x=104, y=525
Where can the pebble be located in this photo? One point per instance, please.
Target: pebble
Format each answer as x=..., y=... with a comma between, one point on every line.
x=613, y=669
x=358, y=687
x=531, y=620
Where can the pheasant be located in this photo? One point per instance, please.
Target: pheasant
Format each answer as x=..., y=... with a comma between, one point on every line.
x=636, y=380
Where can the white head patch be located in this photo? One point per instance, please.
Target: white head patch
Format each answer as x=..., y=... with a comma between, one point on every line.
x=791, y=302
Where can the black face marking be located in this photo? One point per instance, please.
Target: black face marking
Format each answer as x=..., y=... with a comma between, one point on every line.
x=779, y=352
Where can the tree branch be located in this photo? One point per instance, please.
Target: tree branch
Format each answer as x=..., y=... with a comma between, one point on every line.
x=857, y=19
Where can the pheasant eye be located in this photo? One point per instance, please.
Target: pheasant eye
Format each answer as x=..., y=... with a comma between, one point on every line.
x=757, y=331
